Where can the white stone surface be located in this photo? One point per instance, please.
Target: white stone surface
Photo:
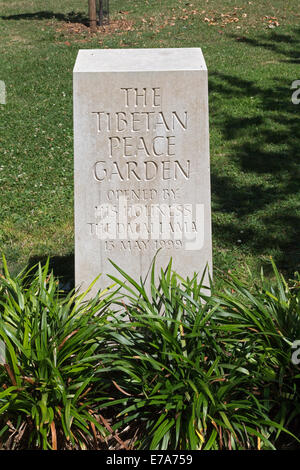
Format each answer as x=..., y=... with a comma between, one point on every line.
x=141, y=148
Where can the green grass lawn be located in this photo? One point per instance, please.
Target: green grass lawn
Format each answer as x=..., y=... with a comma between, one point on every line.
x=252, y=51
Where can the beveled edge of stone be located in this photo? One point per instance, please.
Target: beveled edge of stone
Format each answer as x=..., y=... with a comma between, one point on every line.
x=140, y=60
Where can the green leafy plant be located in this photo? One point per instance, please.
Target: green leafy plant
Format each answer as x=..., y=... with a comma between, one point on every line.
x=181, y=376
x=48, y=389
x=264, y=324
x=174, y=364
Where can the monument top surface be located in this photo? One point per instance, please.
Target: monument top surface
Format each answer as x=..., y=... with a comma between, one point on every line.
x=139, y=60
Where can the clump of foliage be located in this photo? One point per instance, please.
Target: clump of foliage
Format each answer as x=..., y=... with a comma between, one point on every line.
x=264, y=325
x=200, y=372
x=50, y=342
x=176, y=365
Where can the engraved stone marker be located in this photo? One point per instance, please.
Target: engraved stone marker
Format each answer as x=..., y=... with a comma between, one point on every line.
x=142, y=174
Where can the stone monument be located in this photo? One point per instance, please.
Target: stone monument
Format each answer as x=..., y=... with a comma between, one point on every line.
x=142, y=172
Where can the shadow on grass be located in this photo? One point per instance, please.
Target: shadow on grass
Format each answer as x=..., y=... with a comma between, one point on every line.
x=62, y=267
x=262, y=193
x=286, y=45
x=71, y=17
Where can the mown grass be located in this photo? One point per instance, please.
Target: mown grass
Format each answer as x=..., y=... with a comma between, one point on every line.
x=252, y=54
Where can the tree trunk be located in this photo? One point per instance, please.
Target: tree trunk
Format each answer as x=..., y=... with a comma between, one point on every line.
x=93, y=15
x=101, y=12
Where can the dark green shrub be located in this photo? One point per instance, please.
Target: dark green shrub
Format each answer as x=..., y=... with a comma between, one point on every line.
x=178, y=368
x=48, y=388
x=264, y=325
x=184, y=373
